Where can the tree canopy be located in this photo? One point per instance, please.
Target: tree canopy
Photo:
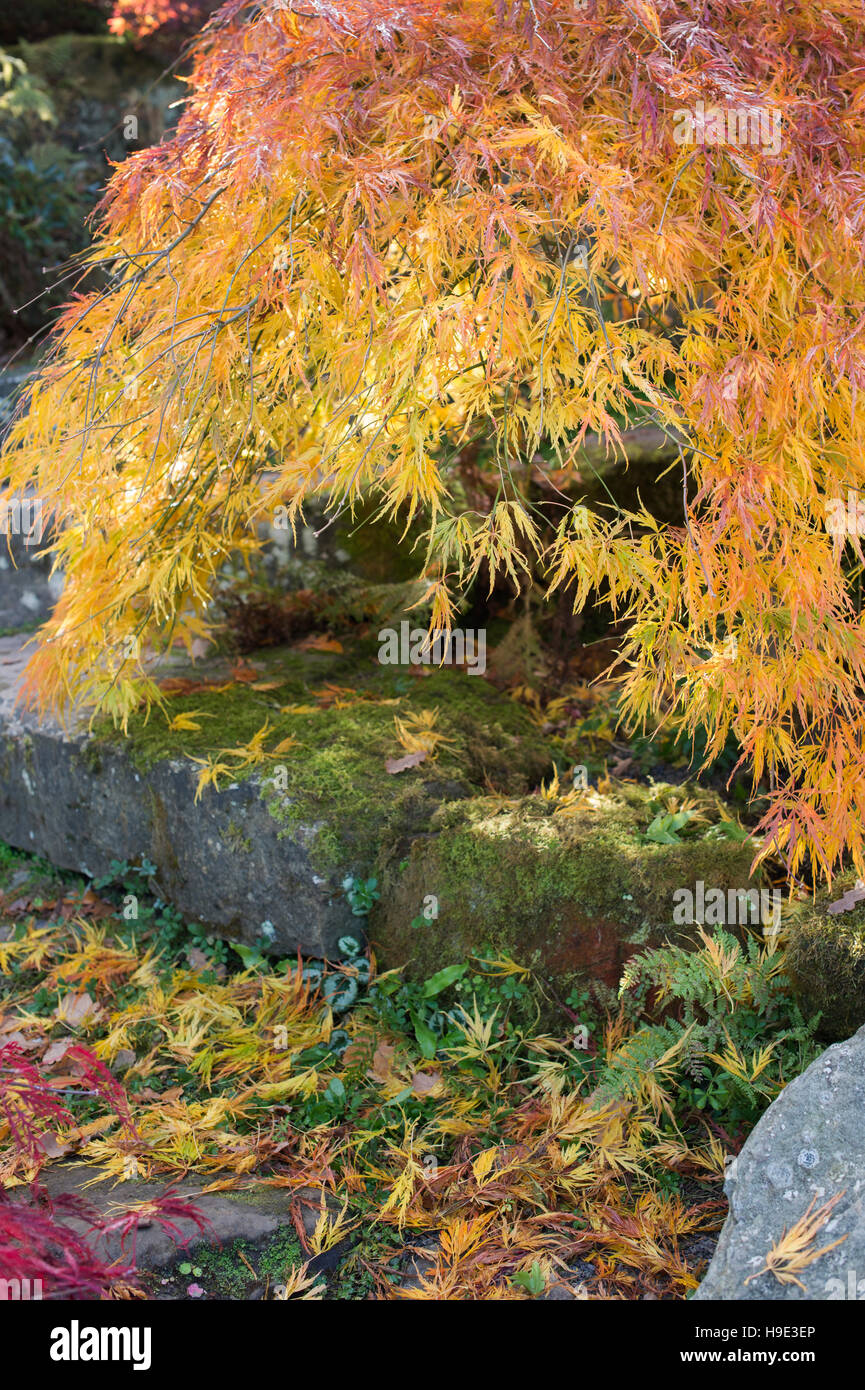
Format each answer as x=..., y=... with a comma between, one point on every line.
x=382, y=232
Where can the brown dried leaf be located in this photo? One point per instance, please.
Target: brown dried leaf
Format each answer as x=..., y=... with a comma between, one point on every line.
x=77, y=1008
x=394, y=765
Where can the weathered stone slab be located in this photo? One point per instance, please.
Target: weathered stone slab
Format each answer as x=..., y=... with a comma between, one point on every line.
x=809, y=1146
x=220, y=862
x=267, y=852
x=251, y=1215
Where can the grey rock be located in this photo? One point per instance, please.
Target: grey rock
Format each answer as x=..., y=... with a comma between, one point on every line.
x=245, y=860
x=247, y=1215
x=418, y=1262
x=221, y=861
x=28, y=589
x=808, y=1146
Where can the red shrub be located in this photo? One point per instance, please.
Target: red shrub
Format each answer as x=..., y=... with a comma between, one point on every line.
x=40, y=1253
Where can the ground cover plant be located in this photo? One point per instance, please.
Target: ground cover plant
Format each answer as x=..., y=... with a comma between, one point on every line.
x=433, y=1115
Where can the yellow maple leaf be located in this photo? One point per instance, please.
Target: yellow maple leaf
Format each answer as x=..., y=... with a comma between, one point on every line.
x=186, y=721
x=791, y=1254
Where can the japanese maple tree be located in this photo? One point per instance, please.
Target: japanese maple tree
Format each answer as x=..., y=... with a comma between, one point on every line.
x=383, y=231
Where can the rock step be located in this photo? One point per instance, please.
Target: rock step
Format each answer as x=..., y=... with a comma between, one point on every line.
x=569, y=889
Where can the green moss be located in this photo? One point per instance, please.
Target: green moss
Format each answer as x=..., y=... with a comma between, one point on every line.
x=344, y=755
x=279, y=1255
x=25, y=746
x=227, y=717
x=225, y=1275
x=379, y=550
x=333, y=783
x=826, y=962
x=91, y=757
x=235, y=839
x=569, y=895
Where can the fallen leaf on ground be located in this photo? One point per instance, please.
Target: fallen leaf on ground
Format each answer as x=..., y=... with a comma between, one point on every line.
x=285, y=745
x=849, y=900
x=424, y=1081
x=77, y=1008
x=183, y=685
x=187, y=722
x=244, y=673
x=56, y=1051
x=382, y=1062
x=51, y=1145
x=394, y=765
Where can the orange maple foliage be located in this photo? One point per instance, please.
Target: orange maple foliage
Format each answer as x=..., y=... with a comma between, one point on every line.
x=160, y=20
x=380, y=232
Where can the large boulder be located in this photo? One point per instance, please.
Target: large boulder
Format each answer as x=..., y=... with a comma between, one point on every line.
x=808, y=1147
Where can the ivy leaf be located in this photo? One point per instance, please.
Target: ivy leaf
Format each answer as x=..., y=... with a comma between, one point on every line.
x=532, y=1280
x=666, y=825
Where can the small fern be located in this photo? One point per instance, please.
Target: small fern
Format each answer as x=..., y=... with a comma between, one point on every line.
x=717, y=1027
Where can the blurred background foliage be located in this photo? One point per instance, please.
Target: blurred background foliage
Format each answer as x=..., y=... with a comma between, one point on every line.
x=72, y=74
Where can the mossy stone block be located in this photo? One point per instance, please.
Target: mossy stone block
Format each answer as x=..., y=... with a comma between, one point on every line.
x=826, y=961
x=569, y=891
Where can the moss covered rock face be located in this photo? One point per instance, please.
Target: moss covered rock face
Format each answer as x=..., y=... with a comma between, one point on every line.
x=826, y=959
x=339, y=711
x=297, y=795
x=569, y=887
x=257, y=790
